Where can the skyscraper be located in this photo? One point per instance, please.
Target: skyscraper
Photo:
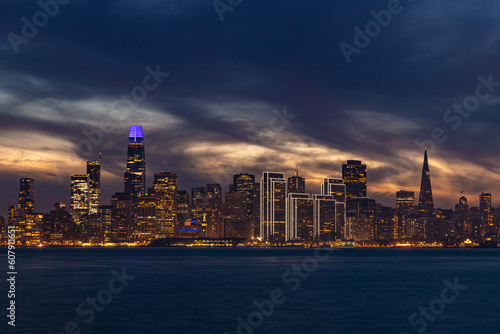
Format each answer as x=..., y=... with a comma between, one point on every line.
x=207, y=210
x=244, y=182
x=462, y=222
x=94, y=173
x=354, y=175
x=486, y=219
x=296, y=184
x=299, y=217
x=79, y=197
x=165, y=189
x=336, y=188
x=405, y=207
x=27, y=195
x=135, y=174
x=273, y=196
x=425, y=202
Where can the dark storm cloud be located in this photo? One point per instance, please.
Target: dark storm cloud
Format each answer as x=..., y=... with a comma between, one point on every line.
x=226, y=78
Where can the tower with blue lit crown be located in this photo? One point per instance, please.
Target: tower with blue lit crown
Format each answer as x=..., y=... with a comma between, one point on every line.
x=135, y=174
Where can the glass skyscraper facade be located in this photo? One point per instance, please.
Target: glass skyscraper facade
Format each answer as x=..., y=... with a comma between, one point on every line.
x=135, y=174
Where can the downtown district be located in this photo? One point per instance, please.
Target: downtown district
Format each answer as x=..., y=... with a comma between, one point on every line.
x=273, y=212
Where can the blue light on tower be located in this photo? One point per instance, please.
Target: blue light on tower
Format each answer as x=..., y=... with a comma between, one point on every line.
x=136, y=135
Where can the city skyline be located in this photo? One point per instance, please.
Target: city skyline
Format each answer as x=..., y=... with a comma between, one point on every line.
x=211, y=117
x=353, y=182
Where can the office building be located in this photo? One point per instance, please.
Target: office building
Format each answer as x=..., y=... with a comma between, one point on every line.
x=354, y=176
x=94, y=174
x=425, y=202
x=135, y=173
x=273, y=194
x=296, y=184
x=26, y=201
x=165, y=191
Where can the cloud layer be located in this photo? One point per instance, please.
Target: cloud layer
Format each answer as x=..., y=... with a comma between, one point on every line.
x=211, y=117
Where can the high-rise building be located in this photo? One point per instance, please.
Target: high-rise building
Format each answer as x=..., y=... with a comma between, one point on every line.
x=183, y=206
x=135, y=174
x=354, y=175
x=385, y=227
x=122, y=214
x=325, y=222
x=486, y=217
x=296, y=184
x=79, y=197
x=27, y=195
x=94, y=173
x=238, y=223
x=105, y=218
x=146, y=224
x=462, y=222
x=425, y=202
x=255, y=225
x=405, y=207
x=336, y=188
x=361, y=212
x=244, y=182
x=273, y=194
x=165, y=189
x=207, y=208
x=299, y=217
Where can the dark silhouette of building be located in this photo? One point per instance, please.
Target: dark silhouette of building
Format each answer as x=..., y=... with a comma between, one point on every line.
x=425, y=202
x=135, y=174
x=461, y=217
x=354, y=175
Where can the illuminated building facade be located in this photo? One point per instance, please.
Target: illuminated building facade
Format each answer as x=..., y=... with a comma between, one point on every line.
x=105, y=213
x=296, y=184
x=135, y=174
x=122, y=213
x=146, y=225
x=461, y=215
x=165, y=191
x=336, y=188
x=26, y=201
x=94, y=174
x=486, y=216
x=255, y=228
x=236, y=217
x=385, y=224
x=354, y=176
x=207, y=210
x=244, y=182
x=361, y=218
x=183, y=206
x=273, y=194
x=79, y=197
x=324, y=216
x=405, y=208
x=299, y=217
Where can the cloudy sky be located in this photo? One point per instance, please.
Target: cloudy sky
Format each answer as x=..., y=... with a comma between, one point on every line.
x=267, y=88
